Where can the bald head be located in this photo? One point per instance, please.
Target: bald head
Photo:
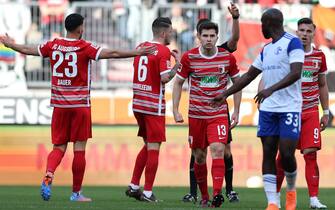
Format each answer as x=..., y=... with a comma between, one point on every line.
x=272, y=22
x=274, y=16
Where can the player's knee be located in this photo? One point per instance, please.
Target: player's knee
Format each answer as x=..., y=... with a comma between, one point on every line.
x=200, y=157
x=217, y=152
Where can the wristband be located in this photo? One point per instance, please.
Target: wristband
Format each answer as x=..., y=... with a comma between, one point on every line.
x=326, y=112
x=236, y=17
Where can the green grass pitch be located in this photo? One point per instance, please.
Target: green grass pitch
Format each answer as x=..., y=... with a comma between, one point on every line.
x=27, y=197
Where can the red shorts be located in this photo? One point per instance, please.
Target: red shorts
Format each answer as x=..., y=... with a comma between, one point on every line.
x=203, y=132
x=71, y=125
x=310, y=131
x=151, y=127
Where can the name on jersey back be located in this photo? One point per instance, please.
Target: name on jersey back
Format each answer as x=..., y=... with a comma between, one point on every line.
x=138, y=86
x=64, y=48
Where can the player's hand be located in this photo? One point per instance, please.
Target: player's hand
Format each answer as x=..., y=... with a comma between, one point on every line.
x=178, y=118
x=324, y=122
x=6, y=40
x=235, y=13
x=147, y=50
x=176, y=54
x=262, y=95
x=218, y=100
x=234, y=119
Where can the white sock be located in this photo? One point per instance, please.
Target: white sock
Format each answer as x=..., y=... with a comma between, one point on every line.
x=147, y=193
x=134, y=186
x=290, y=180
x=270, y=187
x=313, y=199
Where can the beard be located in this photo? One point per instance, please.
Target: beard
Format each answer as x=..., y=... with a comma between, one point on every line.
x=266, y=32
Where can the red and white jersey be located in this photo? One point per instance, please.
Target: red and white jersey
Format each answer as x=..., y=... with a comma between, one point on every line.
x=208, y=77
x=148, y=89
x=314, y=64
x=70, y=61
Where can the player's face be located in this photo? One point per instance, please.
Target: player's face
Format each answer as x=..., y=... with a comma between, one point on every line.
x=306, y=33
x=265, y=28
x=168, y=35
x=208, y=38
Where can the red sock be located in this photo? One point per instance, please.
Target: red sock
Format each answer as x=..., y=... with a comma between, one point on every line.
x=312, y=174
x=280, y=173
x=218, y=172
x=78, y=170
x=151, y=169
x=54, y=159
x=200, y=172
x=141, y=160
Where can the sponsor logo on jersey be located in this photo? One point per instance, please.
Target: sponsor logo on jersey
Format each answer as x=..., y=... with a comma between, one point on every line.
x=307, y=76
x=209, y=81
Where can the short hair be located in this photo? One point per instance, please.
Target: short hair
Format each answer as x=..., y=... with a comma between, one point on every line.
x=73, y=21
x=201, y=21
x=208, y=25
x=160, y=23
x=306, y=21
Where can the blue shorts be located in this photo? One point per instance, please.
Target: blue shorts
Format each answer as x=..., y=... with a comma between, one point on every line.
x=283, y=124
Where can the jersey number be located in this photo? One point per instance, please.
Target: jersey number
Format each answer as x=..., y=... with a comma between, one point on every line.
x=292, y=119
x=221, y=130
x=142, y=68
x=71, y=58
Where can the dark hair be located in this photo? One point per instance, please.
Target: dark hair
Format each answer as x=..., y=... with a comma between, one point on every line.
x=208, y=25
x=160, y=23
x=306, y=21
x=73, y=21
x=201, y=21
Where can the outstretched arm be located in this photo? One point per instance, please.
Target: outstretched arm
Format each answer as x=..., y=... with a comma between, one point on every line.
x=324, y=99
x=111, y=53
x=288, y=80
x=21, y=48
x=232, y=42
x=237, y=86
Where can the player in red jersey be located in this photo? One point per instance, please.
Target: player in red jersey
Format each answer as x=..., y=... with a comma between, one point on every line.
x=231, y=46
x=150, y=75
x=314, y=87
x=70, y=60
x=208, y=69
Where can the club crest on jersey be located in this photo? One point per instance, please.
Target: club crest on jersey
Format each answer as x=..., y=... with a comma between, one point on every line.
x=222, y=69
x=54, y=47
x=278, y=50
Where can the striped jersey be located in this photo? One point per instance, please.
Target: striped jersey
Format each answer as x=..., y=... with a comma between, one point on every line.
x=70, y=61
x=208, y=77
x=148, y=90
x=315, y=64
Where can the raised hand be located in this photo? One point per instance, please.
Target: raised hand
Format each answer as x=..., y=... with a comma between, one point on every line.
x=235, y=13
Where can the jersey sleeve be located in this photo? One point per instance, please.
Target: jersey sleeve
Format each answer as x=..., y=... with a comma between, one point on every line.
x=93, y=51
x=295, y=51
x=165, y=61
x=225, y=46
x=258, y=62
x=44, y=49
x=323, y=68
x=184, y=71
x=233, y=69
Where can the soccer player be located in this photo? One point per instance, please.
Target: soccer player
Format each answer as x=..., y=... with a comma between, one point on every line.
x=314, y=87
x=280, y=61
x=150, y=75
x=208, y=69
x=231, y=46
x=70, y=59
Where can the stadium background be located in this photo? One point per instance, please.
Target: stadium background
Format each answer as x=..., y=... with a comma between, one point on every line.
x=24, y=86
